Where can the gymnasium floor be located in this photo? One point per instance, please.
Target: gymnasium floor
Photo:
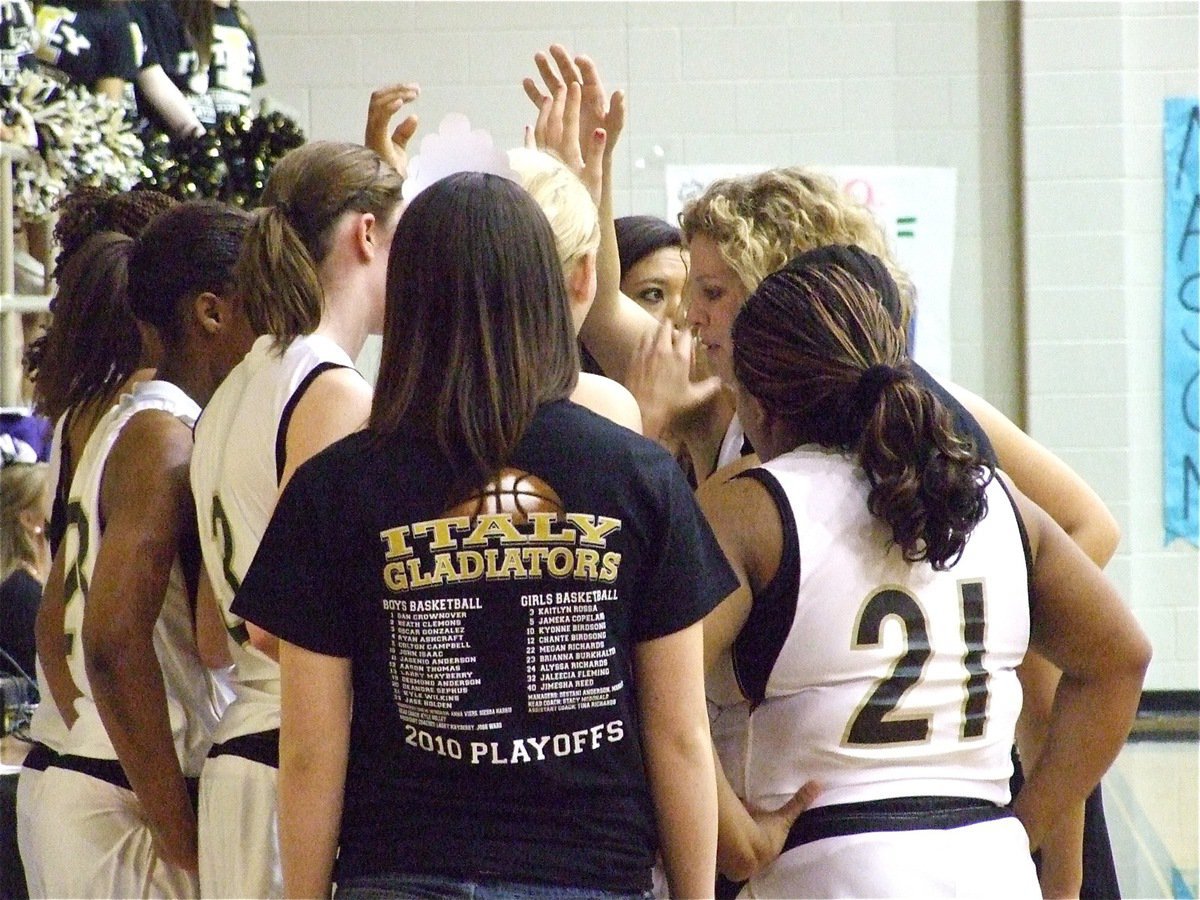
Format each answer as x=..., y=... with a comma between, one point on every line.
x=1152, y=804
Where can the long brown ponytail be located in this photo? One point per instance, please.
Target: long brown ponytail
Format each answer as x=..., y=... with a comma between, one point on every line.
x=308, y=191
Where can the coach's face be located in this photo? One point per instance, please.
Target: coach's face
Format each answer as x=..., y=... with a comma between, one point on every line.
x=714, y=294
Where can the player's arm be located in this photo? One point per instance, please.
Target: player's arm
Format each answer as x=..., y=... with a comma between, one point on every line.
x=148, y=512
x=608, y=398
x=336, y=403
x=1061, y=871
x=1056, y=488
x=211, y=638
x=1047, y=481
x=679, y=760
x=1080, y=624
x=314, y=741
x=583, y=129
x=52, y=642
x=747, y=525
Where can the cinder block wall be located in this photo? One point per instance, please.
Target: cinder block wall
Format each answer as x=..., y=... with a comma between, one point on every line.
x=769, y=83
x=1094, y=77
x=1049, y=111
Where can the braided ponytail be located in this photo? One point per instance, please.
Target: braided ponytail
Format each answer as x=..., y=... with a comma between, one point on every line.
x=816, y=347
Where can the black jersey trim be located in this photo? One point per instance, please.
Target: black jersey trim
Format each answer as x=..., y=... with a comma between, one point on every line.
x=39, y=758
x=261, y=747
x=110, y=772
x=290, y=407
x=891, y=814
x=773, y=609
x=106, y=770
x=1025, y=547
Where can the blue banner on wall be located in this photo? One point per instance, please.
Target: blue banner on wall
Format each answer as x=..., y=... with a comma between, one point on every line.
x=1181, y=320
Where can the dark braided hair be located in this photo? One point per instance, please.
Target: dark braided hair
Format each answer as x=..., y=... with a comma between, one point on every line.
x=88, y=210
x=188, y=250
x=816, y=347
x=92, y=344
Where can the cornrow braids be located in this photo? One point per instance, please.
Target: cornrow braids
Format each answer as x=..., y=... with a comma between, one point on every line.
x=186, y=251
x=88, y=210
x=819, y=351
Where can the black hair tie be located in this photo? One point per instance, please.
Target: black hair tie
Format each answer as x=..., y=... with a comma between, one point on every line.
x=871, y=385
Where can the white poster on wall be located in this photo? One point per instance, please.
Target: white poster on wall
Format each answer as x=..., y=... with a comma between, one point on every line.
x=915, y=208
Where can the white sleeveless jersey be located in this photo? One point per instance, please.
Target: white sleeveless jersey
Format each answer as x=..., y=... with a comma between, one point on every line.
x=236, y=466
x=189, y=701
x=731, y=444
x=46, y=725
x=876, y=677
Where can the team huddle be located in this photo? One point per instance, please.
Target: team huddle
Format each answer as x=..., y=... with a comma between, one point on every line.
x=747, y=606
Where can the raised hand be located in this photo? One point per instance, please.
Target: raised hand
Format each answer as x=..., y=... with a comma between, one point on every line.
x=393, y=145
x=577, y=120
x=599, y=109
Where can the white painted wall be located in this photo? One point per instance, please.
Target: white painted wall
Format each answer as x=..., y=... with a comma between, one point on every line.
x=1094, y=79
x=1076, y=87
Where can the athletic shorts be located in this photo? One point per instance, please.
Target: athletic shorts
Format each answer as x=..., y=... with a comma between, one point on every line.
x=239, y=822
x=987, y=858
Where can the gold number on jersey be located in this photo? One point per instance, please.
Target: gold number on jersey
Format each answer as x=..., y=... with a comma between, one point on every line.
x=75, y=582
x=222, y=532
x=876, y=721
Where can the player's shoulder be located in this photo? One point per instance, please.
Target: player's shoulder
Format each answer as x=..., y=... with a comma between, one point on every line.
x=609, y=399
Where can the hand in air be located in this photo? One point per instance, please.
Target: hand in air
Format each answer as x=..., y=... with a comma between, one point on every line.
x=577, y=119
x=393, y=145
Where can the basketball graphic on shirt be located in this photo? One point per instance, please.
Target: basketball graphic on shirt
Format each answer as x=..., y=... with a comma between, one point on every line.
x=511, y=491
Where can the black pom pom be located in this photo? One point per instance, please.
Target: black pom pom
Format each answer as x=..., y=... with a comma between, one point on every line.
x=231, y=161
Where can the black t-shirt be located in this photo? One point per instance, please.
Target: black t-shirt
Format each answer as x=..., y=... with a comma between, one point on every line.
x=145, y=50
x=16, y=38
x=20, y=595
x=87, y=42
x=495, y=729
x=235, y=68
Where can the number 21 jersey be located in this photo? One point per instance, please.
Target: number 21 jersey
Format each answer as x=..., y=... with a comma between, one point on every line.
x=875, y=676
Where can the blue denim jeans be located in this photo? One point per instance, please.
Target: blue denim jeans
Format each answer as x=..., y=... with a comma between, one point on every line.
x=437, y=887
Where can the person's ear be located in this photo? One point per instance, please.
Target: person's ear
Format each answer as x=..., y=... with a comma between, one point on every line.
x=210, y=312
x=750, y=410
x=152, y=344
x=758, y=423
x=366, y=236
x=581, y=282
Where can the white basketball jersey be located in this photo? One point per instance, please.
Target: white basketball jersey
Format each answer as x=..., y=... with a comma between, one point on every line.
x=876, y=677
x=236, y=466
x=46, y=725
x=189, y=702
x=732, y=443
